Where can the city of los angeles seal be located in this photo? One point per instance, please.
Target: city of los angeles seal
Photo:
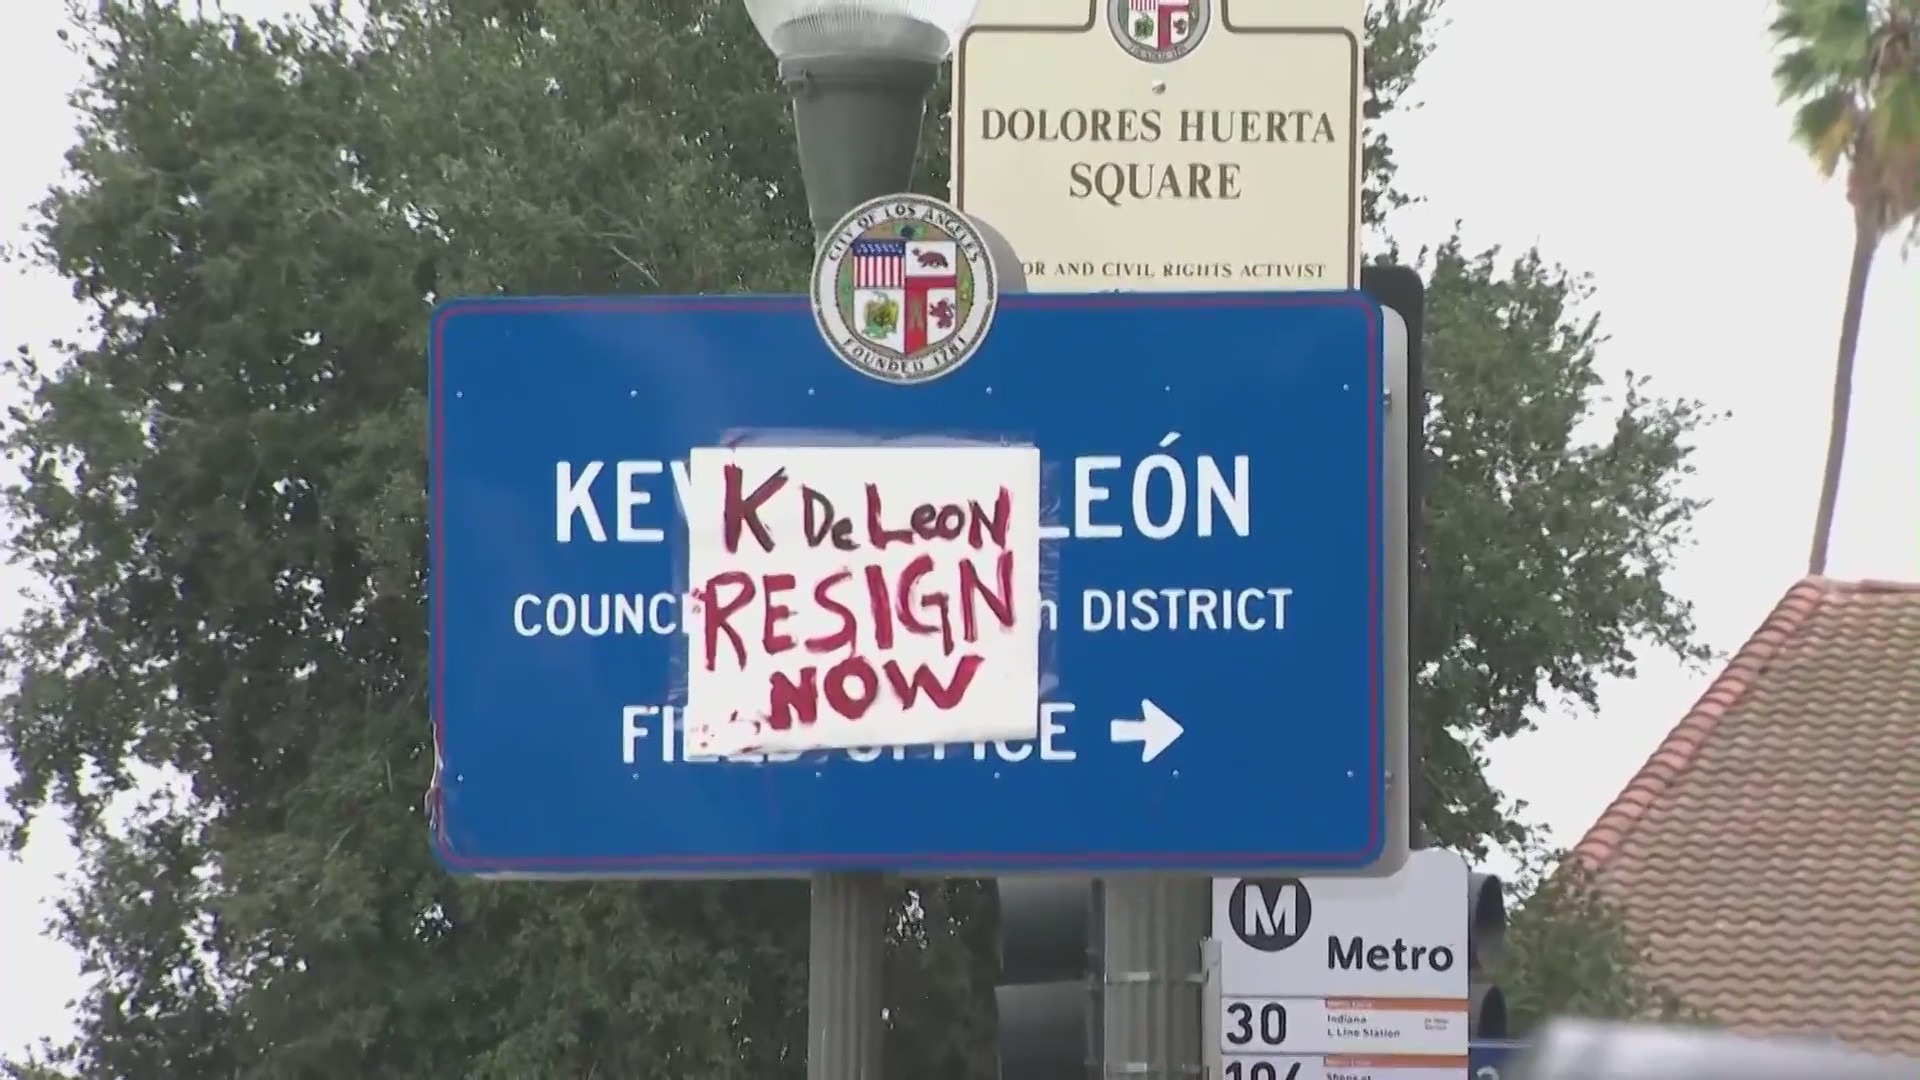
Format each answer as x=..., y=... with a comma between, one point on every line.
x=1158, y=31
x=903, y=288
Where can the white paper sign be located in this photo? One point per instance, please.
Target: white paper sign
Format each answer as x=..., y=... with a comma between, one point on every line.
x=862, y=597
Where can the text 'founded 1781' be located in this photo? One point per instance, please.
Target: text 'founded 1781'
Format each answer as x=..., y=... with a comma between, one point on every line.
x=862, y=596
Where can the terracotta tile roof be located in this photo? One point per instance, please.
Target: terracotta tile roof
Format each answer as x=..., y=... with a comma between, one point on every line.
x=1769, y=850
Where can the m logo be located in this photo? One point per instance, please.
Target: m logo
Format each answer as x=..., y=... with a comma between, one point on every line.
x=1270, y=914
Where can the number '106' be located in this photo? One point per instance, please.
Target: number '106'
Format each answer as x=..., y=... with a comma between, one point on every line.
x=1260, y=1070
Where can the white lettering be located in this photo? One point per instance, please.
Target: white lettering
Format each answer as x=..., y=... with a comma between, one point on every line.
x=1009, y=751
x=1164, y=608
x=1201, y=606
x=596, y=614
x=520, y=623
x=1187, y=609
x=636, y=726
x=561, y=615
x=1200, y=492
x=1090, y=601
x=1168, y=495
x=630, y=730
x=573, y=497
x=1233, y=501
x=1050, y=727
x=1086, y=493
x=628, y=498
x=1268, y=920
x=1177, y=496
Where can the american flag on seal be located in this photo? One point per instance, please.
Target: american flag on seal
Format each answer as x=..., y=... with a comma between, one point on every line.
x=879, y=264
x=1160, y=24
x=905, y=292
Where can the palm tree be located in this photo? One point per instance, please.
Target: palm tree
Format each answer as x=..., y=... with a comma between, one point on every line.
x=1851, y=69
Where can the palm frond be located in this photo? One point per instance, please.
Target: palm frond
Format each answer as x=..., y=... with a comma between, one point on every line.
x=1851, y=71
x=1826, y=126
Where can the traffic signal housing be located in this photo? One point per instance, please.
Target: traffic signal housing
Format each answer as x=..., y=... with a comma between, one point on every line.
x=1401, y=289
x=1486, y=944
x=1048, y=999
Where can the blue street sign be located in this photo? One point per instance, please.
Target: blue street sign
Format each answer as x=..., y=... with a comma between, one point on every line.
x=1215, y=633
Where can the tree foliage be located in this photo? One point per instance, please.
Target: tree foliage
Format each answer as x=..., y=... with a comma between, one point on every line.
x=1571, y=952
x=223, y=492
x=1851, y=71
x=1545, y=547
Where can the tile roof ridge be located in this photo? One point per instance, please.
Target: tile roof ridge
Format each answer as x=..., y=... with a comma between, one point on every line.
x=1676, y=752
x=1869, y=585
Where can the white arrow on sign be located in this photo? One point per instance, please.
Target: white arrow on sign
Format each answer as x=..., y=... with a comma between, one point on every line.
x=1154, y=731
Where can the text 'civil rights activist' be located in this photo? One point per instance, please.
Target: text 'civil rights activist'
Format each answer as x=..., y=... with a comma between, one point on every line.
x=862, y=596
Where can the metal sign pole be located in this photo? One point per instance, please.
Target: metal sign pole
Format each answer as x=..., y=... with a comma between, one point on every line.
x=857, y=119
x=1210, y=1011
x=1022, y=62
x=846, y=955
x=1155, y=982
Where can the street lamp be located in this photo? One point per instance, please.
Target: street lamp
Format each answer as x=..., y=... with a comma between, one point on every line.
x=859, y=72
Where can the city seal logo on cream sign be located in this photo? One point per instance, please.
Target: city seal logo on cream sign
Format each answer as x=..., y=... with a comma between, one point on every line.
x=1158, y=31
x=904, y=289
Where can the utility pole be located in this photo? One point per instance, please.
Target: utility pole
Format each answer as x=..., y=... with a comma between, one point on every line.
x=1027, y=60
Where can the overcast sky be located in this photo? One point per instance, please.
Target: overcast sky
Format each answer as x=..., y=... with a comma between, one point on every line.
x=1648, y=153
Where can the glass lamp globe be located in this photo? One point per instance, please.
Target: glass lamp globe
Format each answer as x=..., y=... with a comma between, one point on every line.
x=922, y=30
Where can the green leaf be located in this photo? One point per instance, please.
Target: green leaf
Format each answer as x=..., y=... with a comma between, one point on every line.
x=1851, y=69
x=1572, y=952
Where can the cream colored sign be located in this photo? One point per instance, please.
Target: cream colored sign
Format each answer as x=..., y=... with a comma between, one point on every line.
x=1165, y=144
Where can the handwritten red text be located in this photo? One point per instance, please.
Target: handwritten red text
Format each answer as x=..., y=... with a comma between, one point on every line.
x=857, y=630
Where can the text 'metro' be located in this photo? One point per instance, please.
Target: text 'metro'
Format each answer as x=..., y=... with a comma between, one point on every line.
x=862, y=596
